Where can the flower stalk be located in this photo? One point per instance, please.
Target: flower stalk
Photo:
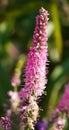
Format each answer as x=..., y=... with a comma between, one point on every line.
x=35, y=71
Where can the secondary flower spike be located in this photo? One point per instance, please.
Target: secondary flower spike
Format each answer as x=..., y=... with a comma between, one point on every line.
x=36, y=66
x=5, y=123
x=64, y=102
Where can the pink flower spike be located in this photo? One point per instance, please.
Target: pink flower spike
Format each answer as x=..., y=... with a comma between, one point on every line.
x=16, y=80
x=36, y=70
x=59, y=124
x=64, y=102
x=14, y=100
x=5, y=123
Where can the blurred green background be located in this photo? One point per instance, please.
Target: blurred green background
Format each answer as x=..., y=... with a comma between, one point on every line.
x=17, y=22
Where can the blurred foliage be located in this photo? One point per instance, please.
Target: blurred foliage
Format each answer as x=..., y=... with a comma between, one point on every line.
x=17, y=22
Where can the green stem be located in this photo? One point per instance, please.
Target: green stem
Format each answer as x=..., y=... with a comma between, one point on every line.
x=15, y=89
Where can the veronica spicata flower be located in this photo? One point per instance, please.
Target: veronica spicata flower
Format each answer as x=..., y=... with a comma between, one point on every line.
x=36, y=66
x=64, y=102
x=35, y=72
x=5, y=123
x=59, y=124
